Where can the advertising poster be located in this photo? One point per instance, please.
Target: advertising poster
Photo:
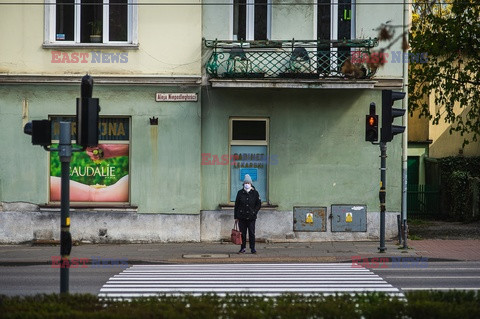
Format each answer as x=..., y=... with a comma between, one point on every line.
x=98, y=174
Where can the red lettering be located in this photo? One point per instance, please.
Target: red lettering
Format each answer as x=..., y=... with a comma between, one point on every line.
x=374, y=58
x=224, y=159
x=374, y=263
x=84, y=262
x=56, y=261
x=74, y=57
x=74, y=263
x=216, y=161
x=383, y=57
x=84, y=57
x=356, y=57
x=365, y=263
x=383, y=262
x=55, y=58
x=205, y=157
x=65, y=263
x=65, y=57
x=355, y=260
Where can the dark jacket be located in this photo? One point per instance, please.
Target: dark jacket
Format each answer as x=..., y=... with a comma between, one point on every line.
x=247, y=205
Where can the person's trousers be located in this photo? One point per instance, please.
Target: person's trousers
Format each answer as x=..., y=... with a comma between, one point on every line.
x=249, y=225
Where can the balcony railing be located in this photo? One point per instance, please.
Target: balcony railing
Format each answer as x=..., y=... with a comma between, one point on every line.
x=292, y=59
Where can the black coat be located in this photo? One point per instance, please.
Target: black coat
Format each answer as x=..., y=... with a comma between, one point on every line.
x=247, y=205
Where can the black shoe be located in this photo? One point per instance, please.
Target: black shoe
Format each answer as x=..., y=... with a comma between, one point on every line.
x=242, y=251
x=254, y=251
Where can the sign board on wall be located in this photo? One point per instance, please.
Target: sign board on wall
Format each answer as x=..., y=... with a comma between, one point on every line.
x=176, y=97
x=99, y=174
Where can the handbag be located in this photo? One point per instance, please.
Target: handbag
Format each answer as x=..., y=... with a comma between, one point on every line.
x=236, y=236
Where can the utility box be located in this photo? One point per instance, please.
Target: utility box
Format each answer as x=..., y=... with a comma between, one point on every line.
x=349, y=218
x=309, y=219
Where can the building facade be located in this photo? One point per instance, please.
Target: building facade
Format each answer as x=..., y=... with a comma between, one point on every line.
x=192, y=99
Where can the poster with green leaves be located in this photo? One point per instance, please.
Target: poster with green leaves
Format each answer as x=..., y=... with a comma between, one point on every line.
x=98, y=174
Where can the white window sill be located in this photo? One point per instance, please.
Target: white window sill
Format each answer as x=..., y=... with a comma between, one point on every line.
x=59, y=45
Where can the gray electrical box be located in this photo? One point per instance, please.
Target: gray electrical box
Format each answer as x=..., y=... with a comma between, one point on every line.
x=349, y=218
x=309, y=219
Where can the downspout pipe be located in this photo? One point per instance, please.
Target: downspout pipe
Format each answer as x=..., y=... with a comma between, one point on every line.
x=406, y=27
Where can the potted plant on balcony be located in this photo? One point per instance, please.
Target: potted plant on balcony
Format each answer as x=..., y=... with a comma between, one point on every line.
x=96, y=34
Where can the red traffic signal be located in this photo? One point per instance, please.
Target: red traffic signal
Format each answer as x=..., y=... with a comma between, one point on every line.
x=371, y=125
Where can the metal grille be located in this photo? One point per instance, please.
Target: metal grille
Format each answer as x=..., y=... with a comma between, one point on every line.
x=289, y=59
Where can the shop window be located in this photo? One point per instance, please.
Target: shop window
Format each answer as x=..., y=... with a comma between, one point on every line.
x=249, y=152
x=99, y=175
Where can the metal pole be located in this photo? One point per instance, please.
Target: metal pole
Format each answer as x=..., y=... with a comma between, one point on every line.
x=65, y=154
x=406, y=23
x=382, y=194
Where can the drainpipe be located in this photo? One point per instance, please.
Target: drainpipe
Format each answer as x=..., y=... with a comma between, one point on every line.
x=406, y=22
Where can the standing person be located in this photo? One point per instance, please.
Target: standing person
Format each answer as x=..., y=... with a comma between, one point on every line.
x=247, y=205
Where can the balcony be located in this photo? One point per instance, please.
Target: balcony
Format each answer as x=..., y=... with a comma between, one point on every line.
x=291, y=60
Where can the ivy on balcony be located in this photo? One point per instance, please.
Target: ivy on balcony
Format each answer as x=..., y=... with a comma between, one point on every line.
x=291, y=59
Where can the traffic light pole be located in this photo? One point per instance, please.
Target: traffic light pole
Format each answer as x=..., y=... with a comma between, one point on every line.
x=65, y=154
x=382, y=194
x=87, y=135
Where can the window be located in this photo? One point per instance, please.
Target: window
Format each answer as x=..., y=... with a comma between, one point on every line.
x=249, y=154
x=98, y=176
x=251, y=19
x=335, y=19
x=91, y=21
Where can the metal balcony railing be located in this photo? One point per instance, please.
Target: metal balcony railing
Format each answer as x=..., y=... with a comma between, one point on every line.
x=290, y=59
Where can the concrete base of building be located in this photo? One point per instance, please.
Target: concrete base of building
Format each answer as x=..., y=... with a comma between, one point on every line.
x=22, y=222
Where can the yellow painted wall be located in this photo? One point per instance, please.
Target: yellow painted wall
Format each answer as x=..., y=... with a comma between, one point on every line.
x=169, y=43
x=417, y=127
x=446, y=144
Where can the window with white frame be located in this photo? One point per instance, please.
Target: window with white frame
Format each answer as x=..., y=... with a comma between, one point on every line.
x=335, y=19
x=90, y=21
x=251, y=19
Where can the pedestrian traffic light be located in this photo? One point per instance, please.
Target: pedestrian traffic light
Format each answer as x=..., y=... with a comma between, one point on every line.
x=87, y=115
x=371, y=125
x=41, y=132
x=389, y=114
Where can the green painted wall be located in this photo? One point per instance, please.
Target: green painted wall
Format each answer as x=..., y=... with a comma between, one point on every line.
x=319, y=139
x=165, y=160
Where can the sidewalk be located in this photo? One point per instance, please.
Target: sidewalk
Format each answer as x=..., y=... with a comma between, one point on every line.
x=226, y=252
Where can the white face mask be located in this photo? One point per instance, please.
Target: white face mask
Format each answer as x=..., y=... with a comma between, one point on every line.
x=247, y=186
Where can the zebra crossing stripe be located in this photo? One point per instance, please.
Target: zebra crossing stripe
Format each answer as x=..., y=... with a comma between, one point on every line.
x=263, y=279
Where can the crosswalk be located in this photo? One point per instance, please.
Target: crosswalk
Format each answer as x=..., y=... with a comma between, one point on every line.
x=258, y=279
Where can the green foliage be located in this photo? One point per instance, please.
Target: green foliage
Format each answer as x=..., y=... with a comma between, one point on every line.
x=448, y=33
x=419, y=304
x=460, y=179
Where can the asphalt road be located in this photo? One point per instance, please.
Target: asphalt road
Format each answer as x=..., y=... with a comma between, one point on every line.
x=31, y=280
x=437, y=275
x=27, y=280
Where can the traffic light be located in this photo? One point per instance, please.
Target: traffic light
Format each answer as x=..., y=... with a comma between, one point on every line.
x=371, y=125
x=389, y=114
x=87, y=115
x=41, y=132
